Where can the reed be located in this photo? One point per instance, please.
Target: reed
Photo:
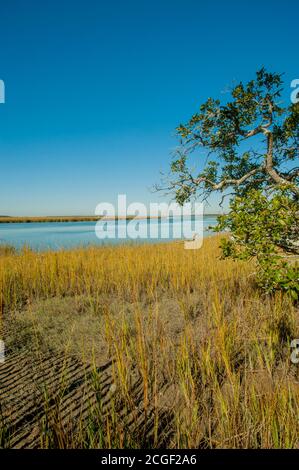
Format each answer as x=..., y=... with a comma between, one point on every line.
x=206, y=352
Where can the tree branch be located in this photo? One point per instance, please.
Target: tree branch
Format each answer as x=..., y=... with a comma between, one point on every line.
x=276, y=177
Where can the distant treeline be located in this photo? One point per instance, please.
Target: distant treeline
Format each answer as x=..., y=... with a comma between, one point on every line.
x=75, y=218
x=47, y=219
x=72, y=218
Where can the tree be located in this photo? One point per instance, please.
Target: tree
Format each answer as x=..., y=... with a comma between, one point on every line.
x=250, y=152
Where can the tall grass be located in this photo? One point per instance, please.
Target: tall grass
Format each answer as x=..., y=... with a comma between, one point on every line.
x=209, y=351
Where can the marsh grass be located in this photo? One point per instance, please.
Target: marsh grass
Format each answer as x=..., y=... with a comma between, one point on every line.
x=19, y=220
x=200, y=358
x=58, y=218
x=6, y=250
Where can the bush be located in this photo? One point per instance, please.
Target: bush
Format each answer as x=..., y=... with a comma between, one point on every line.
x=265, y=229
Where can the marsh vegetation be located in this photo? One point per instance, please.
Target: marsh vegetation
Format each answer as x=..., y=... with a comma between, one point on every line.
x=144, y=346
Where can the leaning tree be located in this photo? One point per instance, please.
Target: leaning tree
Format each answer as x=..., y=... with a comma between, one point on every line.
x=249, y=153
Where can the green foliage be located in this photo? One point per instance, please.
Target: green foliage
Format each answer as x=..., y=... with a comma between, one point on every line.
x=255, y=112
x=267, y=230
x=249, y=148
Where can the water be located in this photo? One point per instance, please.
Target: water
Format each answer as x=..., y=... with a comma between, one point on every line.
x=58, y=235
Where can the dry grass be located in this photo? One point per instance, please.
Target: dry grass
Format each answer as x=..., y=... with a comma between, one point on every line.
x=208, y=349
x=6, y=250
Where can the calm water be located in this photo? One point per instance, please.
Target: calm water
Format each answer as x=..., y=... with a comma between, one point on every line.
x=56, y=235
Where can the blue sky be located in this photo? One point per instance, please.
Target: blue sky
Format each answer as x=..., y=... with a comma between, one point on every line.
x=94, y=89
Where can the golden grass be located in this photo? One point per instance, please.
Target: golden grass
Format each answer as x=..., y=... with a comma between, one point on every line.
x=205, y=343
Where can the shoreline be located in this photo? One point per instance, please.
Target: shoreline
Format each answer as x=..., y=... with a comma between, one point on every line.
x=28, y=220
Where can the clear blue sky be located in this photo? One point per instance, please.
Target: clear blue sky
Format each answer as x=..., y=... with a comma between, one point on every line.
x=95, y=89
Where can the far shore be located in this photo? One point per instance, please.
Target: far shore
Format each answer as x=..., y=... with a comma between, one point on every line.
x=70, y=218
